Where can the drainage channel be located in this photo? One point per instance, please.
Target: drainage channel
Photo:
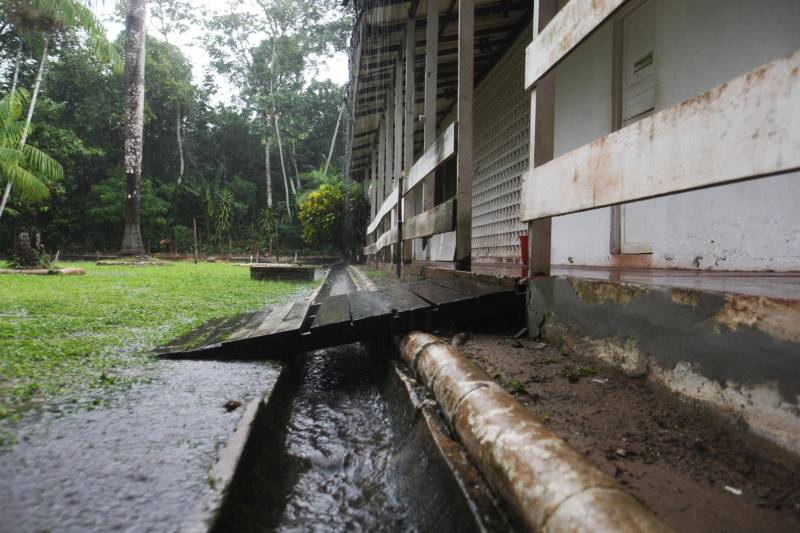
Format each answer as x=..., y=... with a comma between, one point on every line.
x=342, y=445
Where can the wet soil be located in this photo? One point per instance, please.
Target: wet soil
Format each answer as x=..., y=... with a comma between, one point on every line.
x=674, y=454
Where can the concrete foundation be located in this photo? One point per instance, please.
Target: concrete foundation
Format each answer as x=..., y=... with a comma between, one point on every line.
x=277, y=272
x=739, y=353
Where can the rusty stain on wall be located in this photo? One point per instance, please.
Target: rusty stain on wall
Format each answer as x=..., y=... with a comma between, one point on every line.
x=597, y=291
x=778, y=318
x=687, y=297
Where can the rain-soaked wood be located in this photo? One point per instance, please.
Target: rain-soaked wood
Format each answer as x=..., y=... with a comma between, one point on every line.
x=437, y=295
x=366, y=304
x=440, y=219
x=573, y=24
x=335, y=310
x=437, y=153
x=359, y=316
x=258, y=318
x=464, y=118
x=431, y=97
x=386, y=207
x=746, y=128
x=542, y=140
x=273, y=321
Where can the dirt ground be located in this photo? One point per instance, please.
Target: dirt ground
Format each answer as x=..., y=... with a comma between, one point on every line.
x=694, y=469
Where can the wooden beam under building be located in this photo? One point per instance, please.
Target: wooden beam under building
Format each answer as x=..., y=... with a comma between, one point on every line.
x=464, y=118
x=431, y=75
x=408, y=209
x=541, y=144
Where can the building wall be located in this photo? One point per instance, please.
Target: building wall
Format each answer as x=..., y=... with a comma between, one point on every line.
x=753, y=225
x=501, y=151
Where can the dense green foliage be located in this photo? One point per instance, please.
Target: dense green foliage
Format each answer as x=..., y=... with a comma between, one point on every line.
x=223, y=187
x=326, y=211
x=66, y=335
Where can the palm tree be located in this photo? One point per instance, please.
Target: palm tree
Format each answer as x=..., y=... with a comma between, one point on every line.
x=23, y=165
x=135, y=19
x=49, y=18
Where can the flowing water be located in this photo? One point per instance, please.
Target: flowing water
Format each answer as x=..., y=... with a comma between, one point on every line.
x=341, y=449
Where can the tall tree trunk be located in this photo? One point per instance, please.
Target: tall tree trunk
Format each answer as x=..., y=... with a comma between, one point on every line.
x=294, y=164
x=283, y=168
x=134, y=122
x=36, y=86
x=178, y=126
x=268, y=173
x=333, y=141
x=17, y=62
x=277, y=127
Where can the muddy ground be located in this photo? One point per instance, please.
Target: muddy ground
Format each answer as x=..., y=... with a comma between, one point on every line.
x=675, y=455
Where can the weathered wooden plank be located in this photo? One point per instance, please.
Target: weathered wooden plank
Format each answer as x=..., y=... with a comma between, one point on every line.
x=571, y=26
x=746, y=128
x=272, y=322
x=256, y=319
x=464, y=118
x=388, y=205
x=386, y=239
x=440, y=151
x=436, y=294
x=367, y=305
x=294, y=318
x=542, y=144
x=405, y=301
x=333, y=310
x=470, y=287
x=440, y=219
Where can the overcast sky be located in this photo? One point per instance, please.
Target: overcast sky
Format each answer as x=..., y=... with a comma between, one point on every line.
x=334, y=69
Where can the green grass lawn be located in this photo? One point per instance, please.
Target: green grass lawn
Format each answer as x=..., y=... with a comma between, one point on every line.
x=61, y=335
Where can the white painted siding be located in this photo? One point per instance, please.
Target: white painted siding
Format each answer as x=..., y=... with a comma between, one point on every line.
x=745, y=226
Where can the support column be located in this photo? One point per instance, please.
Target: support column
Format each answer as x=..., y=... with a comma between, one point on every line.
x=390, y=177
x=381, y=165
x=431, y=88
x=541, y=148
x=408, y=129
x=464, y=112
x=398, y=153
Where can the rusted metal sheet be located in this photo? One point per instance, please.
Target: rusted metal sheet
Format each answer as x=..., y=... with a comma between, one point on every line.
x=570, y=27
x=432, y=222
x=439, y=152
x=746, y=128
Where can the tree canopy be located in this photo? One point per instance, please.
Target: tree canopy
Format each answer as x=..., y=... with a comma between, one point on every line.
x=234, y=168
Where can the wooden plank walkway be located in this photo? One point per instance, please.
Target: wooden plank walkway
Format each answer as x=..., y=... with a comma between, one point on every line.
x=301, y=326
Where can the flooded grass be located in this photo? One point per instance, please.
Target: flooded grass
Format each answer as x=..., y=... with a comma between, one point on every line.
x=63, y=335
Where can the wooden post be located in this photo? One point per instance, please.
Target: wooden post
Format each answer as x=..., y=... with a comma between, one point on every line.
x=408, y=129
x=194, y=223
x=398, y=153
x=381, y=165
x=541, y=147
x=464, y=113
x=389, y=139
x=431, y=88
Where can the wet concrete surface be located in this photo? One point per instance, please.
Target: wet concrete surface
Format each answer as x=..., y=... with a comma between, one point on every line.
x=139, y=463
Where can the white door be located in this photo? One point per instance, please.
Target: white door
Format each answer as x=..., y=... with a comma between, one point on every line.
x=638, y=96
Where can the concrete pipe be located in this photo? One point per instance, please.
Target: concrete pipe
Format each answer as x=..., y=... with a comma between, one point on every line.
x=547, y=484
